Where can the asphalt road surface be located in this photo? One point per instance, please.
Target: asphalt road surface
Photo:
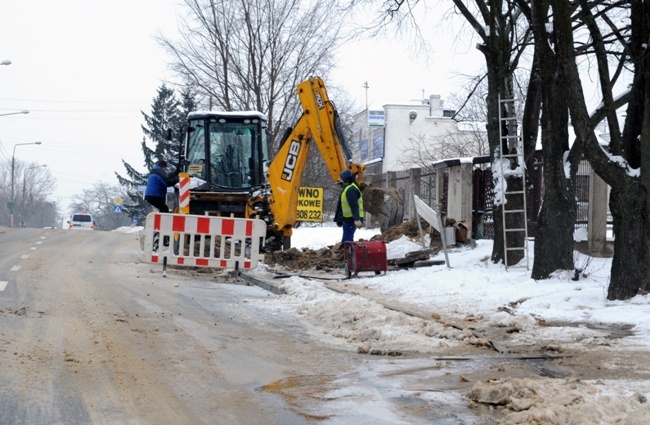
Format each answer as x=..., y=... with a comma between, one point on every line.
x=88, y=334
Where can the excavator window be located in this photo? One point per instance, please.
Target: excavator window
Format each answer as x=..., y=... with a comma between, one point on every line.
x=196, y=152
x=228, y=154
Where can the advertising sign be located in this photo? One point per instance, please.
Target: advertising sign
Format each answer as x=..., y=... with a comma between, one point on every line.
x=378, y=143
x=376, y=118
x=310, y=204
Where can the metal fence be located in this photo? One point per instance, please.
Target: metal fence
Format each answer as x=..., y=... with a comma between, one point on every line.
x=424, y=185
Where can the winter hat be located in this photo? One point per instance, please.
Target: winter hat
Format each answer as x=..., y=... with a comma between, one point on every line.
x=162, y=163
x=346, y=176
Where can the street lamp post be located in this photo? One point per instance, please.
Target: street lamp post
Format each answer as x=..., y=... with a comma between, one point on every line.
x=13, y=168
x=22, y=208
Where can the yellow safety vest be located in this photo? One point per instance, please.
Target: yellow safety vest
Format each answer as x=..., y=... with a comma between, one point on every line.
x=345, y=206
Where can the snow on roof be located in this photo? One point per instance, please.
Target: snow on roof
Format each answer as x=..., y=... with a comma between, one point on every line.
x=235, y=114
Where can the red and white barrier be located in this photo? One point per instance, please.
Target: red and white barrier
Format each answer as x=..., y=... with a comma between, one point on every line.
x=204, y=241
x=184, y=193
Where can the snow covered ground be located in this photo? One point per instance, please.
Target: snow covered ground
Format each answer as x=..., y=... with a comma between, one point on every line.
x=474, y=285
x=466, y=305
x=476, y=290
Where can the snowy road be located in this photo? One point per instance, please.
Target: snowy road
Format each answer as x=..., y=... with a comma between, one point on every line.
x=88, y=334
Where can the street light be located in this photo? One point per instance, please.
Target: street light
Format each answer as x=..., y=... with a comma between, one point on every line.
x=15, y=113
x=11, y=203
x=22, y=214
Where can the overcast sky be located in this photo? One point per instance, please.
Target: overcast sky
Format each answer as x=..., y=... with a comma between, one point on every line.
x=85, y=69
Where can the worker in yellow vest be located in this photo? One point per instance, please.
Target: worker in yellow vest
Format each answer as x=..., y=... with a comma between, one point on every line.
x=349, y=209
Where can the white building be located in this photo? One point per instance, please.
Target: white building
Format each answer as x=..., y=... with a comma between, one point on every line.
x=382, y=134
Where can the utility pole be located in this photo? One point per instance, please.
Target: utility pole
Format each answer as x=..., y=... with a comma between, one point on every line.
x=366, y=86
x=11, y=203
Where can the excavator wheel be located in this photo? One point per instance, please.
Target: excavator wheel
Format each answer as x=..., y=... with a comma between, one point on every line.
x=385, y=205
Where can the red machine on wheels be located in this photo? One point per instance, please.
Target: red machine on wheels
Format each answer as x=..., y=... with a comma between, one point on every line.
x=365, y=256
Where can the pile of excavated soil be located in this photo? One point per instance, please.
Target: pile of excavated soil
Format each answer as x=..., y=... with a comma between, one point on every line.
x=409, y=229
x=331, y=258
x=325, y=259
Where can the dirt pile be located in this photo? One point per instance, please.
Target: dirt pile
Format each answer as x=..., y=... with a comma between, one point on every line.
x=326, y=259
x=331, y=258
x=409, y=229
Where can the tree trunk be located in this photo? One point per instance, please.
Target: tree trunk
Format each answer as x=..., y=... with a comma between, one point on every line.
x=630, y=275
x=554, y=237
x=556, y=220
x=628, y=199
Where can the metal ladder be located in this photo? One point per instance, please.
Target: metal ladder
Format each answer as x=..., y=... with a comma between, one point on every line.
x=520, y=171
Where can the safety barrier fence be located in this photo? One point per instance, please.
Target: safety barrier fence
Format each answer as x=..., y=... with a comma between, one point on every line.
x=203, y=241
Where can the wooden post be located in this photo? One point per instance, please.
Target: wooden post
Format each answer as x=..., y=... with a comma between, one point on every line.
x=414, y=186
x=597, y=220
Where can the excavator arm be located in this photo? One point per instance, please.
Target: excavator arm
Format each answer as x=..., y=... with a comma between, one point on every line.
x=323, y=123
x=319, y=124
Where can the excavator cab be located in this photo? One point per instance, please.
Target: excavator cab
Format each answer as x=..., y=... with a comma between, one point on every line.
x=227, y=159
x=227, y=151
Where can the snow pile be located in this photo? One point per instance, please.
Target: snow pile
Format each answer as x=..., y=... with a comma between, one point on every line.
x=401, y=247
x=129, y=229
x=353, y=321
x=561, y=401
x=473, y=290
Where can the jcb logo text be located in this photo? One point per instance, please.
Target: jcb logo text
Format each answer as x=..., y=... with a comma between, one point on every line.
x=292, y=159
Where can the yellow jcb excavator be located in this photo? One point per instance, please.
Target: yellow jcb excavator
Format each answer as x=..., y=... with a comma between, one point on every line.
x=226, y=156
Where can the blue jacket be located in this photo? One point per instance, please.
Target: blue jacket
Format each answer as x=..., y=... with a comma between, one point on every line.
x=158, y=182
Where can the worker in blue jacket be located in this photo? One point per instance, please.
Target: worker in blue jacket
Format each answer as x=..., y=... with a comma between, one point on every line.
x=349, y=209
x=157, y=184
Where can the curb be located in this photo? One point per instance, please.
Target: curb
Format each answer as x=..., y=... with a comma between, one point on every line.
x=262, y=283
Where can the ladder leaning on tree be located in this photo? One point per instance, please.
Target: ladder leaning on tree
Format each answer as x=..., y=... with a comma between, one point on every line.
x=513, y=202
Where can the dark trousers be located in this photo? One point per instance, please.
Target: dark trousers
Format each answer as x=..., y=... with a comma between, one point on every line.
x=348, y=232
x=158, y=202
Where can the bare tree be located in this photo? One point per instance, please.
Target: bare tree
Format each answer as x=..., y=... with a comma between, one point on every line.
x=504, y=36
x=36, y=185
x=99, y=201
x=624, y=164
x=250, y=55
x=422, y=151
x=32, y=185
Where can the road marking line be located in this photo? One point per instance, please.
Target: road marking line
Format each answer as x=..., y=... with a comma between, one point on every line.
x=24, y=256
x=3, y=285
x=15, y=268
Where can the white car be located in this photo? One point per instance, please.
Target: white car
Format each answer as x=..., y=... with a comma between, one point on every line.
x=81, y=221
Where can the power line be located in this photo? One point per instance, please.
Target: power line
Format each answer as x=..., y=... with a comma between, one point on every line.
x=76, y=110
x=75, y=101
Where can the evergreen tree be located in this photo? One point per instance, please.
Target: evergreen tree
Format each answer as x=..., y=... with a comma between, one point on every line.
x=167, y=112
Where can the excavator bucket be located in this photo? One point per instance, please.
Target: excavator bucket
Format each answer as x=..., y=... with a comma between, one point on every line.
x=385, y=205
